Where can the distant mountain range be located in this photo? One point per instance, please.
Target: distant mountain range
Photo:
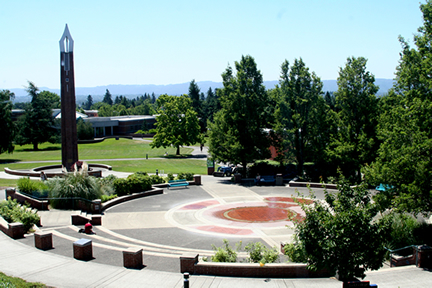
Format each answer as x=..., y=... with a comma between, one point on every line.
x=132, y=91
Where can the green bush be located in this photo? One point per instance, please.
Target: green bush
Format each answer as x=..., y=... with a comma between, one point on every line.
x=259, y=253
x=105, y=198
x=170, y=177
x=31, y=187
x=155, y=179
x=134, y=183
x=12, y=211
x=296, y=251
x=74, y=185
x=187, y=176
x=225, y=253
x=402, y=232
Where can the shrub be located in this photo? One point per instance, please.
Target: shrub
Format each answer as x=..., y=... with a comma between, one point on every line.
x=170, y=177
x=155, y=179
x=259, y=253
x=296, y=251
x=74, y=185
x=134, y=183
x=105, y=198
x=402, y=231
x=31, y=187
x=225, y=253
x=12, y=211
x=187, y=176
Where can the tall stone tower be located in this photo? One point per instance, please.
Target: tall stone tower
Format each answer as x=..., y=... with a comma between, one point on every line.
x=68, y=106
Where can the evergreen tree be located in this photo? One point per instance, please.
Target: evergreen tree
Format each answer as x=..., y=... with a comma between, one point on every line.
x=36, y=125
x=89, y=103
x=7, y=127
x=107, y=98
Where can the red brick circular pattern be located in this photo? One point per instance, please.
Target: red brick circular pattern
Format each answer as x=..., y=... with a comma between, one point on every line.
x=257, y=214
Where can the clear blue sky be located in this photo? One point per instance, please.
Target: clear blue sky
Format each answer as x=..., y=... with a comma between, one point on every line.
x=168, y=42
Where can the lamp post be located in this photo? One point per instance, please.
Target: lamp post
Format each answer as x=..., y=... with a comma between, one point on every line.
x=300, y=155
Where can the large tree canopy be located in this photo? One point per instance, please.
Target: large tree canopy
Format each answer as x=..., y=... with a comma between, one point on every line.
x=177, y=123
x=355, y=142
x=300, y=113
x=6, y=126
x=238, y=134
x=37, y=125
x=404, y=162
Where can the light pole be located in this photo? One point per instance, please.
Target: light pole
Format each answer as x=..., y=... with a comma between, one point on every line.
x=300, y=154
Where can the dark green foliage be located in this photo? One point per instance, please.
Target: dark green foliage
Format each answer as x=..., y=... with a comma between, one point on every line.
x=340, y=234
x=355, y=143
x=36, y=125
x=259, y=253
x=296, y=251
x=12, y=211
x=107, y=98
x=134, y=183
x=404, y=157
x=187, y=176
x=31, y=187
x=155, y=179
x=237, y=133
x=177, y=123
x=84, y=130
x=300, y=115
x=7, y=127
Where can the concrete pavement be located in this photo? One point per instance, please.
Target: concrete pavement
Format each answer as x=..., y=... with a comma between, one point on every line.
x=163, y=239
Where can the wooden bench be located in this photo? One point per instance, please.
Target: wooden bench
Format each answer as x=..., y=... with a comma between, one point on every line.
x=177, y=183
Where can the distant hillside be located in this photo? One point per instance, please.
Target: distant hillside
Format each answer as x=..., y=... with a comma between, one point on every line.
x=171, y=89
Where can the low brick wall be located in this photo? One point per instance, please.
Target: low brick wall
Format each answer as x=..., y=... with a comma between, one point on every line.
x=189, y=263
x=13, y=230
x=312, y=185
x=21, y=198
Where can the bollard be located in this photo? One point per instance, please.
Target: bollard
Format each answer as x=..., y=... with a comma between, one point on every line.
x=186, y=280
x=146, y=156
x=157, y=171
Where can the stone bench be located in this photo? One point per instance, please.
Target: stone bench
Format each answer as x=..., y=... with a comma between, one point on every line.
x=133, y=258
x=43, y=240
x=95, y=220
x=83, y=249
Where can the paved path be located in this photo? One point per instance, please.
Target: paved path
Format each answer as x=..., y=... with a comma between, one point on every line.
x=166, y=226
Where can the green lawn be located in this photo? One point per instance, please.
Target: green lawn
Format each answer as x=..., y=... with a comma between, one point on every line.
x=108, y=149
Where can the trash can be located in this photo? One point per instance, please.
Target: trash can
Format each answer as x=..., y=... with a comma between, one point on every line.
x=424, y=256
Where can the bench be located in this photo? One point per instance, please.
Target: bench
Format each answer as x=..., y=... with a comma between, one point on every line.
x=267, y=179
x=178, y=183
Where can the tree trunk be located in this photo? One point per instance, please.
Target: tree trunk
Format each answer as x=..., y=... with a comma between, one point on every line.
x=35, y=146
x=178, y=150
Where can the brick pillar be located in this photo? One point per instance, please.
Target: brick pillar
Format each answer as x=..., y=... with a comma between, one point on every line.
x=83, y=249
x=197, y=179
x=10, y=192
x=16, y=230
x=133, y=258
x=43, y=240
x=187, y=262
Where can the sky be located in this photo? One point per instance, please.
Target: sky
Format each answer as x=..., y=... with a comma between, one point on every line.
x=169, y=42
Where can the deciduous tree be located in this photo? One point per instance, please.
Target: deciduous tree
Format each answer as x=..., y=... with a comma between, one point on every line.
x=355, y=143
x=404, y=161
x=177, y=123
x=238, y=134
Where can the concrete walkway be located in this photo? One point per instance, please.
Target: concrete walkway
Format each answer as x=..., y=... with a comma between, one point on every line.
x=144, y=225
